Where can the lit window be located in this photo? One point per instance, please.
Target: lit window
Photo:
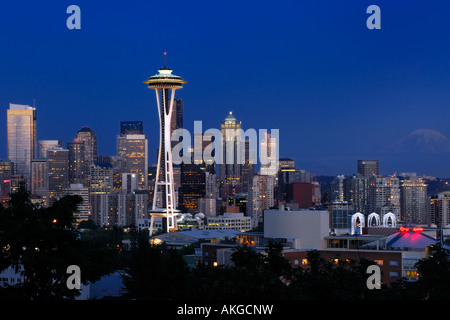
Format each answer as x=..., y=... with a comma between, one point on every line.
x=393, y=263
x=393, y=274
x=412, y=274
x=379, y=262
x=304, y=261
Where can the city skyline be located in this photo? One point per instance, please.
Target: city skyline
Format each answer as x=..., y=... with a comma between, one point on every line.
x=337, y=91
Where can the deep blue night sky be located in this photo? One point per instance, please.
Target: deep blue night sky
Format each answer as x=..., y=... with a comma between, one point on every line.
x=336, y=90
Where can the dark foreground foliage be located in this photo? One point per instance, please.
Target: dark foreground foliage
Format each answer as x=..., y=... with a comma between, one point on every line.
x=44, y=243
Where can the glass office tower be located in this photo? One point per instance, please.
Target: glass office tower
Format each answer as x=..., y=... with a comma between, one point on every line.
x=22, y=142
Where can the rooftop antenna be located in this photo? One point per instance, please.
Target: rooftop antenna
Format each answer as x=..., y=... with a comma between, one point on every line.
x=165, y=59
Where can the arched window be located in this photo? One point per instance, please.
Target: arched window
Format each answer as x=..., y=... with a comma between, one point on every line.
x=372, y=216
x=386, y=218
x=357, y=216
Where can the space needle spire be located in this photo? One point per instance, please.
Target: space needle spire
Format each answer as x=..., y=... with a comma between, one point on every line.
x=164, y=83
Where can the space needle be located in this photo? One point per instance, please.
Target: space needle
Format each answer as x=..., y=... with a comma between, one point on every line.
x=164, y=83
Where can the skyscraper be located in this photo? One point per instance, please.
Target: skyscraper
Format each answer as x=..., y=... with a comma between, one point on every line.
x=84, y=208
x=248, y=167
x=88, y=136
x=131, y=127
x=133, y=148
x=230, y=168
x=44, y=145
x=414, y=201
x=368, y=168
x=39, y=179
x=440, y=209
x=360, y=194
x=100, y=193
x=260, y=197
x=337, y=189
x=21, y=138
x=193, y=186
x=77, y=165
x=269, y=150
x=58, y=173
x=384, y=195
x=176, y=122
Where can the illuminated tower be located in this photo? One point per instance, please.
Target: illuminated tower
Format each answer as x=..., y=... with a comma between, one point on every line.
x=22, y=142
x=164, y=83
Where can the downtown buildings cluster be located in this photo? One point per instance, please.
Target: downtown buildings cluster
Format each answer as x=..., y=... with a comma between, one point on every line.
x=118, y=189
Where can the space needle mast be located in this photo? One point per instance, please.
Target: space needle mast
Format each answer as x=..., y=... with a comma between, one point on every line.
x=164, y=83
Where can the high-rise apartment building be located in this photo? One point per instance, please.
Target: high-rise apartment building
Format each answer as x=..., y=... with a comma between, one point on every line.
x=84, y=208
x=133, y=148
x=337, y=189
x=360, y=194
x=368, y=168
x=88, y=136
x=384, y=195
x=77, y=165
x=100, y=179
x=260, y=196
x=39, y=179
x=101, y=193
x=21, y=138
x=414, y=201
x=440, y=209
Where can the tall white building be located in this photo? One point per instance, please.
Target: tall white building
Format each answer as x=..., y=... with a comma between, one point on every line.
x=21, y=138
x=384, y=195
x=260, y=196
x=269, y=156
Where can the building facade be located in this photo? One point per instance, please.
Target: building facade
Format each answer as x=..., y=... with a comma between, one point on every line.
x=260, y=196
x=133, y=148
x=415, y=203
x=58, y=173
x=21, y=138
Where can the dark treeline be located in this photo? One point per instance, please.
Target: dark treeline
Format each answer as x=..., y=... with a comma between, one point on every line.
x=43, y=242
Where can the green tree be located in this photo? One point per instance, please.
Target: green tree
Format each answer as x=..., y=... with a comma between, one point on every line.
x=44, y=242
x=434, y=275
x=154, y=272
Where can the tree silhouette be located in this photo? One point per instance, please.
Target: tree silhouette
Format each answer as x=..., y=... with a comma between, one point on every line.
x=44, y=243
x=434, y=275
